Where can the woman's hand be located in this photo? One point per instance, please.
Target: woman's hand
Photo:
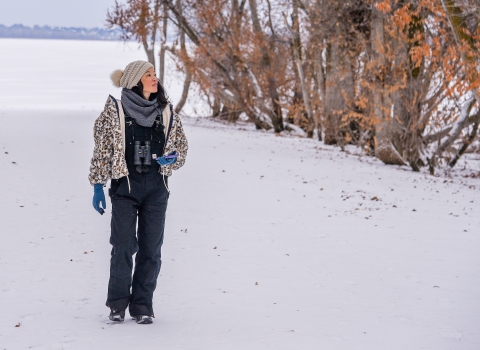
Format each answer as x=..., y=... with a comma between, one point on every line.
x=167, y=160
x=99, y=197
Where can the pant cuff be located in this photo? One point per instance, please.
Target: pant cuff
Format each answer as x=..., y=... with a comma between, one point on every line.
x=136, y=310
x=119, y=304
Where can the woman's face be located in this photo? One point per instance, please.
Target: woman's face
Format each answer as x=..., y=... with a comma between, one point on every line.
x=149, y=81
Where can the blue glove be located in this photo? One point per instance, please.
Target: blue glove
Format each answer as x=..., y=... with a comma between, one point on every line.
x=99, y=196
x=167, y=161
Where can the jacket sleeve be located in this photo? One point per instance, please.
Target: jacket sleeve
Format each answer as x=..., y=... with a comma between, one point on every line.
x=180, y=144
x=100, y=166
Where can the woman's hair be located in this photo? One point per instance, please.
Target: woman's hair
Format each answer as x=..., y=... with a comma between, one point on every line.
x=160, y=95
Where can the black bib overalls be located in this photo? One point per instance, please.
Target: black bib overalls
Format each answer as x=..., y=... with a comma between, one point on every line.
x=139, y=200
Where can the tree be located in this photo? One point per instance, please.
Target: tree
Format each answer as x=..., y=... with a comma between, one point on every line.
x=138, y=20
x=391, y=76
x=234, y=61
x=413, y=78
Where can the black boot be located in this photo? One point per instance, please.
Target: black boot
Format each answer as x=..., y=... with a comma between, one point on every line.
x=117, y=315
x=143, y=319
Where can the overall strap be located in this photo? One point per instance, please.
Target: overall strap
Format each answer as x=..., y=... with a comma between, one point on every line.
x=157, y=122
x=167, y=119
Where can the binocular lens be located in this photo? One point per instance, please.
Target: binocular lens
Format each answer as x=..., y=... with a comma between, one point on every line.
x=142, y=156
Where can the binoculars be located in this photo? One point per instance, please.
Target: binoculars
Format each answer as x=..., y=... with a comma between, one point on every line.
x=142, y=156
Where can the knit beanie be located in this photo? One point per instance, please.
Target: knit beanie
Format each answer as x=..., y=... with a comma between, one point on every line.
x=132, y=74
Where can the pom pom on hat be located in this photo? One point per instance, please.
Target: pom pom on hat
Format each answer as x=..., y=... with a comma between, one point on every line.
x=116, y=76
x=132, y=74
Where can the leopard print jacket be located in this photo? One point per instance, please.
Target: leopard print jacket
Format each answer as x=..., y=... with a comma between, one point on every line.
x=108, y=161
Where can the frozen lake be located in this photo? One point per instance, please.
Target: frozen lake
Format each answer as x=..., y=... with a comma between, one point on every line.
x=72, y=75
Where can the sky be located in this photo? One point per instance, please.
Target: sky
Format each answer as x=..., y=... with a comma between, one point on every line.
x=62, y=13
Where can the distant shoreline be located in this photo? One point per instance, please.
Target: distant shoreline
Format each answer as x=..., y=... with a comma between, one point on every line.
x=19, y=31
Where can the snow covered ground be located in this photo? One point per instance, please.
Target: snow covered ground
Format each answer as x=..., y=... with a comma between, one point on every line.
x=271, y=242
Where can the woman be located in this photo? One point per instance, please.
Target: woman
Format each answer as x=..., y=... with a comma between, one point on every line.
x=138, y=142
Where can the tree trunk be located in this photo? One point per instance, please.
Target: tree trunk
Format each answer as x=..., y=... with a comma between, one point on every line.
x=277, y=115
x=339, y=86
x=468, y=141
x=382, y=102
x=297, y=54
x=216, y=107
x=150, y=53
x=186, y=89
x=320, y=75
x=188, y=73
x=462, y=122
x=161, y=73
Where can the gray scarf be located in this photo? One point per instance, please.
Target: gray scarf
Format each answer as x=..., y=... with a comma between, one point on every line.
x=143, y=111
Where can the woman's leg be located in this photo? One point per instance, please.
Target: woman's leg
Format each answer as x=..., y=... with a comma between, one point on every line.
x=124, y=245
x=151, y=222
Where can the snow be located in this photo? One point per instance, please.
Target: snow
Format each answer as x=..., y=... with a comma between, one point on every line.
x=72, y=75
x=272, y=242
